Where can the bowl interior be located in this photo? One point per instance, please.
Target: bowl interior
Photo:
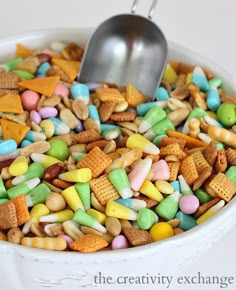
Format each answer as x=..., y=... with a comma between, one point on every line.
x=42, y=39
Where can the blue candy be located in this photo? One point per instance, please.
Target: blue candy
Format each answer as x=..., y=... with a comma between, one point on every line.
x=187, y=222
x=80, y=91
x=213, y=99
x=25, y=143
x=34, y=136
x=43, y=68
x=176, y=185
x=199, y=78
x=142, y=109
x=93, y=114
x=60, y=127
x=161, y=94
x=93, y=86
x=105, y=127
x=7, y=146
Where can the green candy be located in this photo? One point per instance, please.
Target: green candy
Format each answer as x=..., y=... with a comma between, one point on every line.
x=226, y=114
x=169, y=206
x=23, y=74
x=10, y=65
x=231, y=174
x=3, y=200
x=37, y=195
x=203, y=196
x=216, y=82
x=58, y=150
x=83, y=190
x=146, y=219
x=187, y=222
x=157, y=140
x=78, y=156
x=167, y=110
x=3, y=192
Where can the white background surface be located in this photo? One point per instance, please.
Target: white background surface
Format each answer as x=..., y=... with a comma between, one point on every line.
x=207, y=26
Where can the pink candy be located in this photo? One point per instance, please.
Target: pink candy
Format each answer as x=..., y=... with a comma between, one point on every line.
x=189, y=203
x=67, y=238
x=160, y=170
x=61, y=90
x=48, y=112
x=35, y=117
x=119, y=242
x=139, y=173
x=30, y=100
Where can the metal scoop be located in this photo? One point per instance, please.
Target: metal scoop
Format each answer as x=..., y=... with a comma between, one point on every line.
x=126, y=48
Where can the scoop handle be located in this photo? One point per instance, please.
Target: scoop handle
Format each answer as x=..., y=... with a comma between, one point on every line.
x=151, y=10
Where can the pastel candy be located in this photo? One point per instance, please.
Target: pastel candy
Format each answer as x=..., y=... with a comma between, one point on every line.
x=146, y=219
x=19, y=166
x=60, y=127
x=30, y=100
x=161, y=94
x=168, y=207
x=159, y=129
x=199, y=78
x=114, y=209
x=72, y=198
x=35, y=117
x=216, y=82
x=189, y=204
x=24, y=187
x=175, y=185
x=119, y=179
x=164, y=187
x=34, y=136
x=43, y=68
x=119, y=242
x=85, y=219
x=139, y=141
x=93, y=114
x=35, y=169
x=203, y=196
x=44, y=160
x=213, y=99
x=139, y=173
x=3, y=192
x=80, y=91
x=160, y=170
x=142, y=109
x=92, y=86
x=187, y=222
x=37, y=195
x=184, y=187
x=169, y=74
x=48, y=112
x=48, y=128
x=152, y=117
x=83, y=190
x=7, y=146
x=77, y=175
x=132, y=203
x=149, y=189
x=61, y=90
x=231, y=174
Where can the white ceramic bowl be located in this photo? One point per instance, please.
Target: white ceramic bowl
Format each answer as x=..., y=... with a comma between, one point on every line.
x=27, y=268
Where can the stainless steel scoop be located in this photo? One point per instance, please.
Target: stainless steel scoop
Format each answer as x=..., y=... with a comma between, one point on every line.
x=126, y=48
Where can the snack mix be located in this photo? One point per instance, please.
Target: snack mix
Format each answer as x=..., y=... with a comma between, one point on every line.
x=94, y=166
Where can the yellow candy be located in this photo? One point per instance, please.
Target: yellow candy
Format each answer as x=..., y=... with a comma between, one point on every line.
x=38, y=211
x=60, y=216
x=138, y=141
x=149, y=189
x=189, y=78
x=161, y=231
x=164, y=187
x=44, y=160
x=47, y=127
x=77, y=175
x=170, y=75
x=72, y=198
x=19, y=166
x=117, y=210
x=99, y=216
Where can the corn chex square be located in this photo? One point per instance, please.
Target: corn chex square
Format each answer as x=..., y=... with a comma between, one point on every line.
x=103, y=189
x=96, y=160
